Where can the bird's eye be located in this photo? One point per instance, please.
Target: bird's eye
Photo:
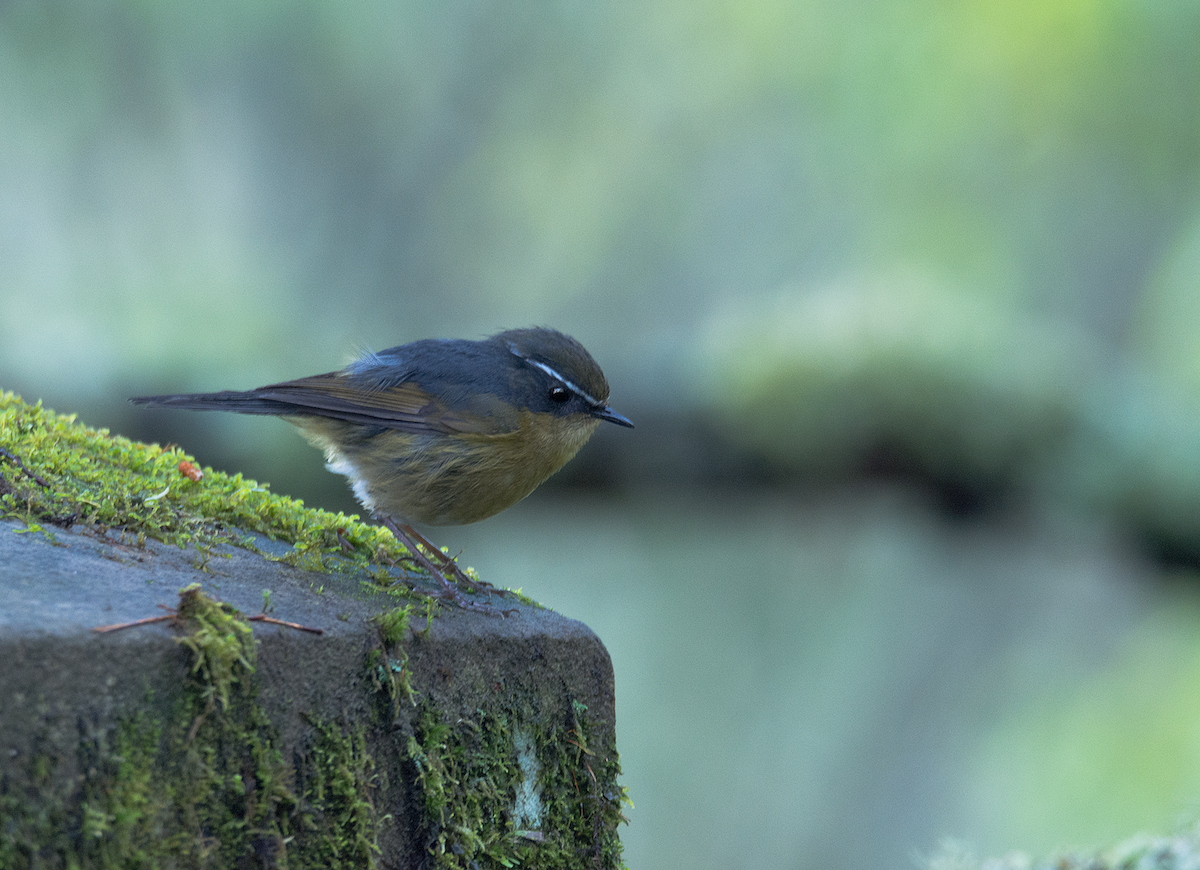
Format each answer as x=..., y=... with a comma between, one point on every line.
x=559, y=394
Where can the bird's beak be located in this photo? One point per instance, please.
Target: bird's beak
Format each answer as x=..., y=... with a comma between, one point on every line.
x=606, y=413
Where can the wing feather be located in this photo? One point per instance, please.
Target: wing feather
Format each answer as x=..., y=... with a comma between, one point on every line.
x=404, y=406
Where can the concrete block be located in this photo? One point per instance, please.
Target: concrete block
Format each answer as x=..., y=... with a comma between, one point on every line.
x=465, y=740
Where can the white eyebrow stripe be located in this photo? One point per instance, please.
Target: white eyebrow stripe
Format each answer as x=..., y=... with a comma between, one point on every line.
x=552, y=373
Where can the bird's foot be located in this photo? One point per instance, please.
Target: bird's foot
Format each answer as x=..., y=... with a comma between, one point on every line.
x=447, y=572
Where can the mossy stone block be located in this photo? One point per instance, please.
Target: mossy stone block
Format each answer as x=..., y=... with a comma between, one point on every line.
x=402, y=735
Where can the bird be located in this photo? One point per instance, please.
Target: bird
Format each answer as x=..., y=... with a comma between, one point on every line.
x=439, y=432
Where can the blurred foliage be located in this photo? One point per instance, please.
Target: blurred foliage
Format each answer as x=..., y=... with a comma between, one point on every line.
x=378, y=172
x=955, y=384
x=894, y=374
x=1164, y=331
x=1118, y=752
x=1142, y=852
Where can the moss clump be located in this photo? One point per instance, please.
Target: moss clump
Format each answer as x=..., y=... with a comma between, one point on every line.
x=393, y=624
x=339, y=824
x=482, y=810
x=231, y=784
x=221, y=642
x=69, y=474
x=387, y=671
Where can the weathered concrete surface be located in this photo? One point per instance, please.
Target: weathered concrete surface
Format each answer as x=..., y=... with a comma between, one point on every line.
x=60, y=681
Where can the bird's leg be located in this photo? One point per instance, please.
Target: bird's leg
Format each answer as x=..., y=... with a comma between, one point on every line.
x=448, y=563
x=412, y=539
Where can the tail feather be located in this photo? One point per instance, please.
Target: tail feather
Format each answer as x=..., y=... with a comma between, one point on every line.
x=248, y=402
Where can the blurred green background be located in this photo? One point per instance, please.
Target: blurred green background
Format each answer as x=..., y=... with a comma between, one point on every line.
x=902, y=294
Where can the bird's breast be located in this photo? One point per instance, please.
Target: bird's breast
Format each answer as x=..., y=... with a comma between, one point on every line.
x=448, y=479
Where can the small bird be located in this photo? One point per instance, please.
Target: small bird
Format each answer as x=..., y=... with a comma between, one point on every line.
x=440, y=432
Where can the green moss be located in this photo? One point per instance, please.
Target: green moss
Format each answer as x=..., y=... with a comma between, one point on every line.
x=340, y=825
x=583, y=803
x=34, y=817
x=483, y=811
x=393, y=624
x=72, y=475
x=496, y=789
x=387, y=671
x=221, y=642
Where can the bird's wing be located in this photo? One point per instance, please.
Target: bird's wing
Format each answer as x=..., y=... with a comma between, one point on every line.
x=405, y=406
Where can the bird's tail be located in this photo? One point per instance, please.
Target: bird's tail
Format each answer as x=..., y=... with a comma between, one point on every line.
x=248, y=402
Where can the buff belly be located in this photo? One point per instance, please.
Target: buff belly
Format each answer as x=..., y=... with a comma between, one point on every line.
x=439, y=479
